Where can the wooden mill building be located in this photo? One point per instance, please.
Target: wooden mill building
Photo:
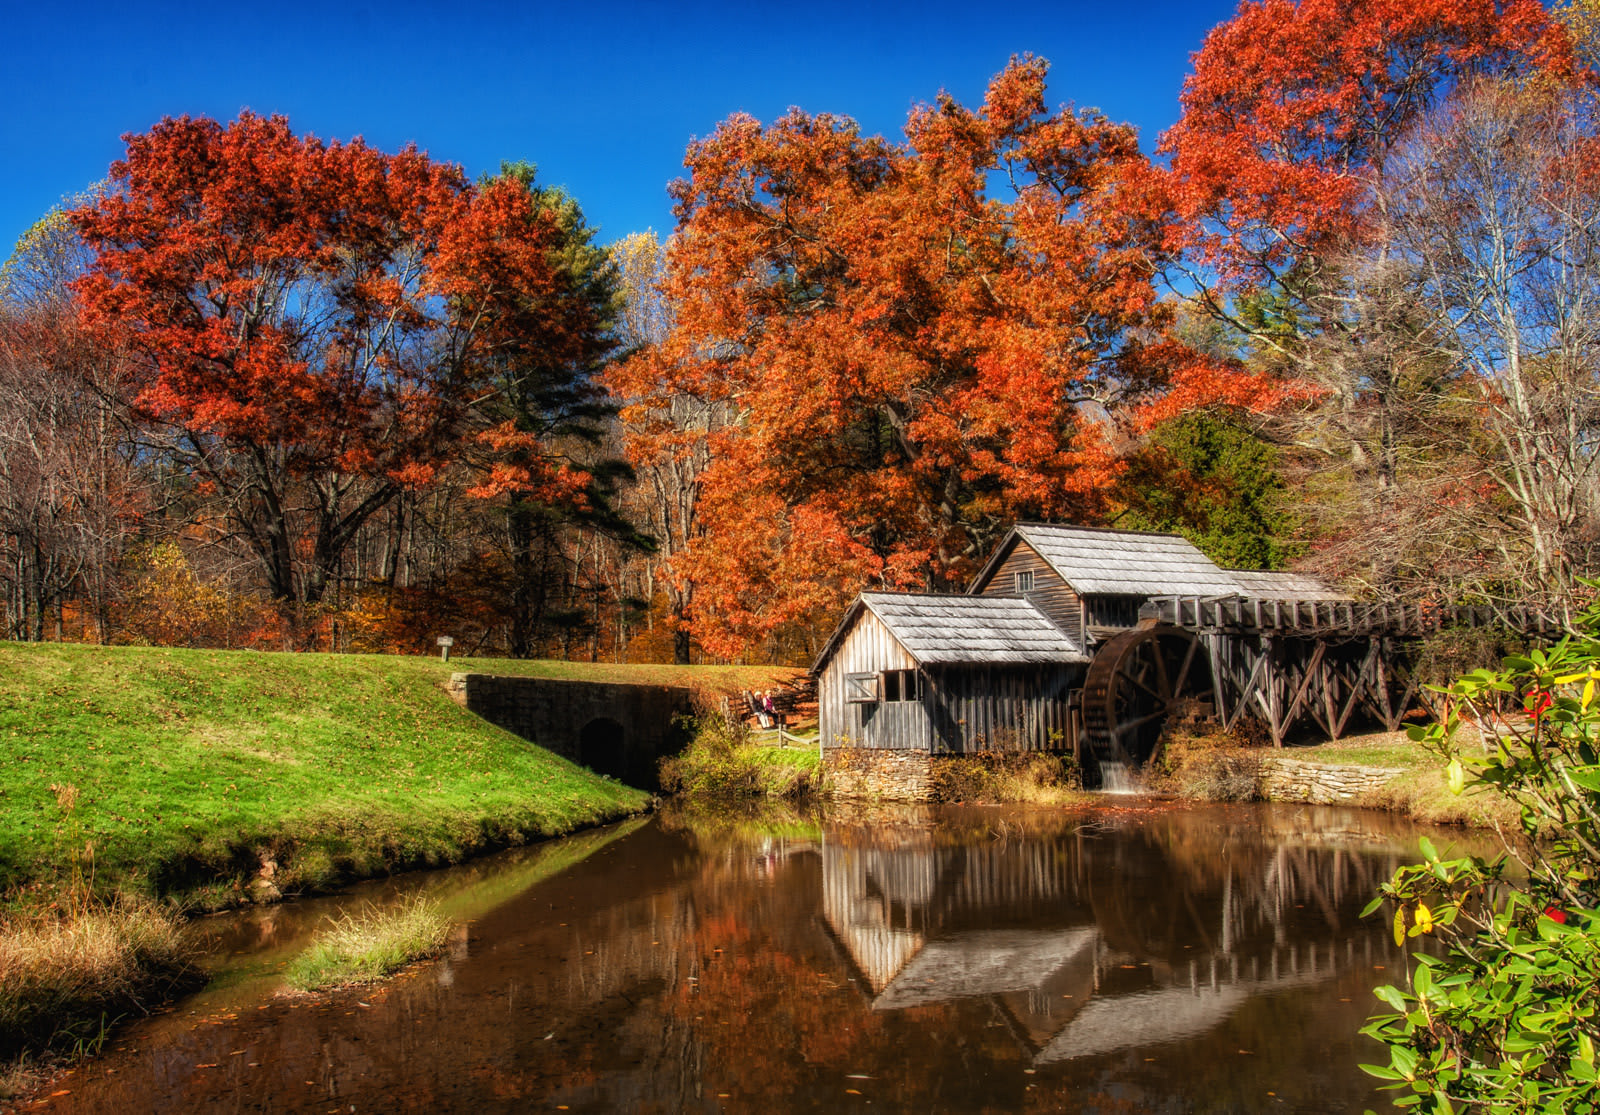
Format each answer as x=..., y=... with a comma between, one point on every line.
x=1046, y=651
x=1002, y=667
x=1087, y=640
x=947, y=675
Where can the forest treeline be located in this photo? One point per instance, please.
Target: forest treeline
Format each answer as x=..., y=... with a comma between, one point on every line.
x=263, y=390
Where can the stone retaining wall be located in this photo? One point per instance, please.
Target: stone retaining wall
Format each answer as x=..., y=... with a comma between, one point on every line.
x=864, y=772
x=1295, y=780
x=614, y=729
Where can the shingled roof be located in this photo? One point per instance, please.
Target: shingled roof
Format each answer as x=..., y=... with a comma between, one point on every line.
x=946, y=629
x=1285, y=586
x=1099, y=562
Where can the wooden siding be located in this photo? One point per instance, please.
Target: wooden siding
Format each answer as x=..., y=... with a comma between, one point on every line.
x=1112, y=611
x=1003, y=708
x=1051, y=595
x=868, y=648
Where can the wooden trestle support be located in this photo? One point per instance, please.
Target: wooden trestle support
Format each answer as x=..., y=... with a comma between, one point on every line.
x=1286, y=661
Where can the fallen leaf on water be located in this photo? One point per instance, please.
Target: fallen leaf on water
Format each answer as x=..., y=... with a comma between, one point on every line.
x=63, y=1092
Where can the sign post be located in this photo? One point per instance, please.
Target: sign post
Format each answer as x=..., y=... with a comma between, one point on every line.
x=445, y=643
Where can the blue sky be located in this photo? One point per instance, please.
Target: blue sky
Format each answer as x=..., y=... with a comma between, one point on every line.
x=604, y=97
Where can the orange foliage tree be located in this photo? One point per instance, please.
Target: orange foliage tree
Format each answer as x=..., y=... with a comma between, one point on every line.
x=1294, y=103
x=313, y=319
x=918, y=342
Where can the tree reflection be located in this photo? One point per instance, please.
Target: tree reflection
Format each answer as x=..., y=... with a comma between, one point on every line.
x=1152, y=958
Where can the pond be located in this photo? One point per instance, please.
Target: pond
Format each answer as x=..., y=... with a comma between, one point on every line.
x=1141, y=956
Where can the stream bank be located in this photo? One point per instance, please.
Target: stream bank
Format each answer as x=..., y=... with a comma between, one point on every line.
x=1152, y=955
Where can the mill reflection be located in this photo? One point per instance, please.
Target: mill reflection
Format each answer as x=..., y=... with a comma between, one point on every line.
x=1094, y=937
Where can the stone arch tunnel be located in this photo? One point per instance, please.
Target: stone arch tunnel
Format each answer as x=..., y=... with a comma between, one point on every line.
x=614, y=729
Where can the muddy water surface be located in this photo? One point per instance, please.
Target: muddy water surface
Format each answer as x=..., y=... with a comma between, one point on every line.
x=1142, y=957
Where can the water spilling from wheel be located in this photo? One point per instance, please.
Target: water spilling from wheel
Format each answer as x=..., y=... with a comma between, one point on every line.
x=1119, y=778
x=1140, y=956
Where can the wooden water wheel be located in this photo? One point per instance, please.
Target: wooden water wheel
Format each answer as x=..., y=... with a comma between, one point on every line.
x=1132, y=684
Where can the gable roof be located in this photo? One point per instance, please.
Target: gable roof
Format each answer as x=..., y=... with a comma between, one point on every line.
x=1285, y=586
x=1101, y=562
x=939, y=630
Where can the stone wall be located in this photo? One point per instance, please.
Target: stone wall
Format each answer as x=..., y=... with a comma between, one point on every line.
x=614, y=729
x=871, y=773
x=1319, y=783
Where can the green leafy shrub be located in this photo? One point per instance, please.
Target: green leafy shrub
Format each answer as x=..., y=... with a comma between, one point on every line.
x=1451, y=652
x=721, y=762
x=1503, y=1013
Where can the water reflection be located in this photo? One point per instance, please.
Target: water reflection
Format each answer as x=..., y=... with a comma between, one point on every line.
x=1100, y=939
x=1146, y=959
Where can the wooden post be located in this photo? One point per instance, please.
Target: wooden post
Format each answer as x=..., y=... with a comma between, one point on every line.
x=1390, y=720
x=1305, y=682
x=1274, y=685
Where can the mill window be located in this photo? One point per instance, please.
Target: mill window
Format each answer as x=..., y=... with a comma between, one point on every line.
x=901, y=685
x=861, y=689
x=1023, y=581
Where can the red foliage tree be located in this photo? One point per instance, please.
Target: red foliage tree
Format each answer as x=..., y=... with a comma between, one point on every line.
x=919, y=342
x=313, y=318
x=1291, y=104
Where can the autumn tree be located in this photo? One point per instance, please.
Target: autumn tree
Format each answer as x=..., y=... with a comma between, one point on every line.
x=920, y=342
x=71, y=490
x=1292, y=104
x=1488, y=218
x=1292, y=118
x=312, y=319
x=540, y=421
x=667, y=434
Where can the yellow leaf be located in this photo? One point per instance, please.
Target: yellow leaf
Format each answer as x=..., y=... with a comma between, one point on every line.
x=1424, y=918
x=1399, y=925
x=1455, y=776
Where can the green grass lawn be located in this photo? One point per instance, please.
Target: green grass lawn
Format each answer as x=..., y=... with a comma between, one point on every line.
x=1367, y=749
x=189, y=766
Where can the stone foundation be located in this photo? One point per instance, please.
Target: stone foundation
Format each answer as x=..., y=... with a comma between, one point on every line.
x=870, y=773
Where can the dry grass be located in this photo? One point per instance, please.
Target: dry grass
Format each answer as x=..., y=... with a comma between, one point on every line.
x=65, y=979
x=364, y=948
x=1005, y=778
